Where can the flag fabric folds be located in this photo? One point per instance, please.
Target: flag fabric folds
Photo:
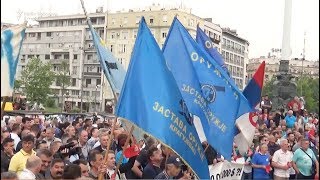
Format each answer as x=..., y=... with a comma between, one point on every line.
x=11, y=43
x=112, y=68
x=150, y=99
x=247, y=122
x=205, y=86
x=205, y=43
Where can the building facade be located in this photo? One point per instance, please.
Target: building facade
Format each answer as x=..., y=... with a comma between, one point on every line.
x=67, y=38
x=235, y=52
x=296, y=66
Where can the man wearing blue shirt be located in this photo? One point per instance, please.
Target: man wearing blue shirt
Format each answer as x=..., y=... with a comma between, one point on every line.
x=290, y=119
x=261, y=164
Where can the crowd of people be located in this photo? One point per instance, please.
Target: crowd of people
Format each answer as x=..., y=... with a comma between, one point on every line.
x=286, y=146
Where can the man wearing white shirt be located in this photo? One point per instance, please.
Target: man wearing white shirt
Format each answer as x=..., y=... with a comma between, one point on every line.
x=16, y=129
x=33, y=166
x=282, y=161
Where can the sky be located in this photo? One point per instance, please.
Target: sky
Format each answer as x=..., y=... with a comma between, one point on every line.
x=258, y=21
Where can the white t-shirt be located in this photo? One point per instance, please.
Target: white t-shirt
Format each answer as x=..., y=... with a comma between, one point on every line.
x=282, y=158
x=16, y=139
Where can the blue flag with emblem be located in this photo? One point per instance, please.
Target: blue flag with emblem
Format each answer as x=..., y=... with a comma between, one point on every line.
x=11, y=43
x=205, y=86
x=150, y=99
x=205, y=42
x=112, y=68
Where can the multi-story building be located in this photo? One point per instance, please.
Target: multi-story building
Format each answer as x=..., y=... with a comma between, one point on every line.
x=296, y=66
x=235, y=52
x=60, y=38
x=66, y=38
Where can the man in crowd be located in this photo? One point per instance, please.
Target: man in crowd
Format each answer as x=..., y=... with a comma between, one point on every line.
x=282, y=161
x=33, y=167
x=46, y=157
x=6, y=153
x=153, y=167
x=172, y=169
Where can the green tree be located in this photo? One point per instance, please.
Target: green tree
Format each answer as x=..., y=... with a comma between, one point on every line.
x=267, y=87
x=37, y=78
x=309, y=89
x=63, y=76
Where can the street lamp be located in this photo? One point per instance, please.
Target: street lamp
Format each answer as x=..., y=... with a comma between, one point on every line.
x=95, y=98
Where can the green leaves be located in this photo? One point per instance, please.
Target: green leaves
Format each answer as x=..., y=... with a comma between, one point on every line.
x=37, y=78
x=309, y=89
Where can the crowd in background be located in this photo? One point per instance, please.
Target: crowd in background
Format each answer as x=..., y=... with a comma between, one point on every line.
x=286, y=146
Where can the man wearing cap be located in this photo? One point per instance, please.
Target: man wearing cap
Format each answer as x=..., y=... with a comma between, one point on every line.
x=173, y=168
x=19, y=160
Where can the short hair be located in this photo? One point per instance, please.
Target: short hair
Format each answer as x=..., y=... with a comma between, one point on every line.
x=122, y=139
x=28, y=138
x=33, y=161
x=71, y=171
x=9, y=175
x=15, y=127
x=54, y=143
x=25, y=119
x=74, y=123
x=80, y=161
x=305, y=140
x=150, y=141
x=72, y=139
x=151, y=150
x=35, y=128
x=7, y=140
x=45, y=152
x=92, y=155
x=85, y=127
x=103, y=132
x=91, y=131
x=289, y=134
x=56, y=160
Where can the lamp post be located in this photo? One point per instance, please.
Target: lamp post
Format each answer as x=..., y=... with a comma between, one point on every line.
x=95, y=98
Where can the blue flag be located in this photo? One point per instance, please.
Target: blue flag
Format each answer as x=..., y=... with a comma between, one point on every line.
x=205, y=86
x=112, y=68
x=11, y=43
x=151, y=99
x=205, y=42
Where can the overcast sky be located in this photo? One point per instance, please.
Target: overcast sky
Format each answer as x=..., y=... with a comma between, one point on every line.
x=258, y=21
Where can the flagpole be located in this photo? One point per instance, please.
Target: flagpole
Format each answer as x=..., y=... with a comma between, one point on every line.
x=89, y=23
x=100, y=177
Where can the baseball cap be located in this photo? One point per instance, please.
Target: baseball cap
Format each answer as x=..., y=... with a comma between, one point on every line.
x=174, y=160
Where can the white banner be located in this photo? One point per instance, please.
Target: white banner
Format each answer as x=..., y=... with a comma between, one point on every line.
x=226, y=170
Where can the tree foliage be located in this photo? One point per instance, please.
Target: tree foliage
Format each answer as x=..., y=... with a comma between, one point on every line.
x=267, y=87
x=63, y=76
x=37, y=78
x=308, y=88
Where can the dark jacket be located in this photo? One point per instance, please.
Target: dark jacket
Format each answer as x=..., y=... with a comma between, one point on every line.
x=5, y=161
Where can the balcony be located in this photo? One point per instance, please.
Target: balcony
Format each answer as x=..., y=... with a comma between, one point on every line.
x=95, y=62
x=92, y=74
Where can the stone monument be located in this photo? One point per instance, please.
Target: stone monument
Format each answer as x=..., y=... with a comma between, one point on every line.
x=284, y=88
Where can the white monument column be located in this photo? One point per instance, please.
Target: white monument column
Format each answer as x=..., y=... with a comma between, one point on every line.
x=286, y=49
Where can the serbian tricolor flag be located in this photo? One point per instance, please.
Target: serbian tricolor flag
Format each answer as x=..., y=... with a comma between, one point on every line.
x=247, y=122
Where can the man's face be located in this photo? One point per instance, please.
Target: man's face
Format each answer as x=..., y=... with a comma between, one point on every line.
x=285, y=145
x=291, y=137
x=27, y=146
x=95, y=133
x=104, y=140
x=36, y=121
x=49, y=134
x=305, y=144
x=57, y=170
x=157, y=156
x=266, y=98
x=28, y=124
x=72, y=131
x=8, y=148
x=84, y=136
x=174, y=170
x=111, y=161
x=98, y=162
x=43, y=146
x=46, y=161
x=84, y=170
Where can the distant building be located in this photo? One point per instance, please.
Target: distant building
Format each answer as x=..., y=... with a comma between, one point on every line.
x=67, y=38
x=235, y=51
x=310, y=68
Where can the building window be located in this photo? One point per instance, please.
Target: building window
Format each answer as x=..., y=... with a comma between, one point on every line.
x=75, y=93
x=88, y=81
x=98, y=82
x=125, y=35
x=113, y=21
x=66, y=56
x=75, y=56
x=32, y=34
x=111, y=48
x=138, y=19
x=164, y=35
x=47, y=56
x=90, y=56
x=164, y=18
x=48, y=34
x=113, y=35
x=74, y=82
x=74, y=69
x=151, y=20
x=98, y=69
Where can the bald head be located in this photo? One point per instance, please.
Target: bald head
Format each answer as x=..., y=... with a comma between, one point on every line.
x=290, y=112
x=33, y=162
x=18, y=119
